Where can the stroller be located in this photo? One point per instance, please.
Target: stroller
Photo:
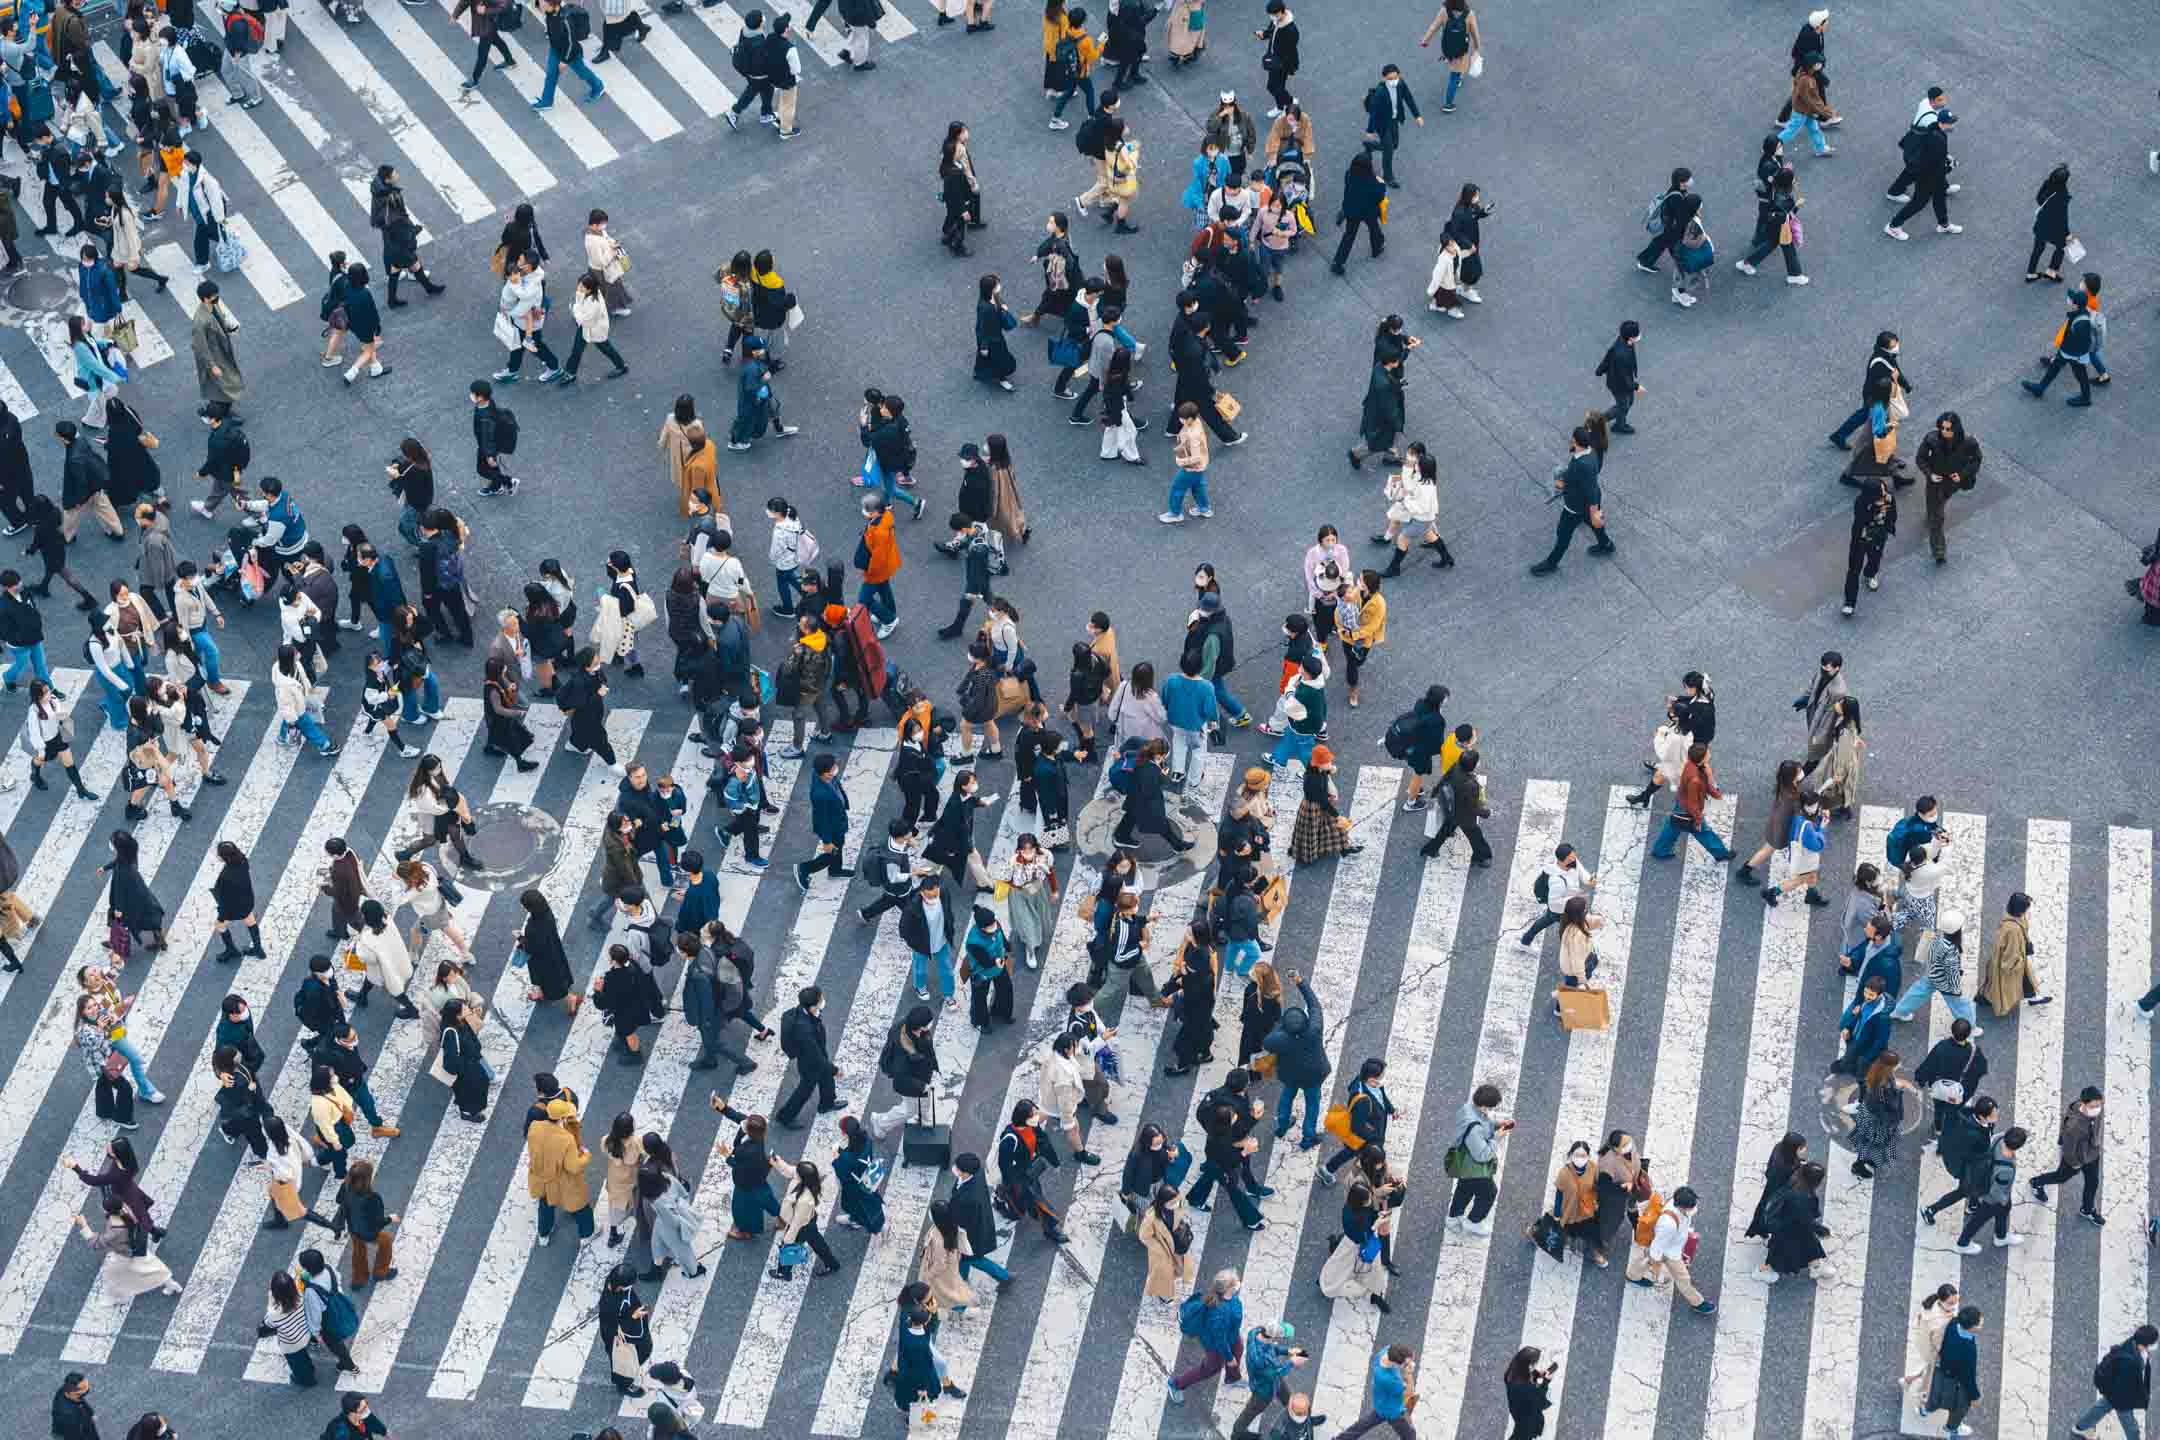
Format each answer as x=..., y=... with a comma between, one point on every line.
x=1291, y=178
x=233, y=568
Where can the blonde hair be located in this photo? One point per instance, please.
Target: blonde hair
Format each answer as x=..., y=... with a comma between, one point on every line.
x=1263, y=975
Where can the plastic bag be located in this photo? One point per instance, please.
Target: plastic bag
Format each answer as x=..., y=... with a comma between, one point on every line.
x=1477, y=65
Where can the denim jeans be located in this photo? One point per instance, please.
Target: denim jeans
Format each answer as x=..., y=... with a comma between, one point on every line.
x=790, y=591
x=944, y=960
x=126, y=1046
x=2099, y=1412
x=207, y=649
x=1187, y=749
x=302, y=1366
x=113, y=700
x=1796, y=124
x=1241, y=955
x=985, y=1264
x=584, y=72
x=879, y=597
x=363, y=1100
x=31, y=657
x=1182, y=481
x=1915, y=998
x=1454, y=83
x=888, y=484
x=583, y=1218
x=1670, y=835
x=408, y=525
x=1293, y=744
x=1226, y=702
x=309, y=730
x=428, y=697
x=1086, y=85
x=1284, y=1101
x=1853, y=422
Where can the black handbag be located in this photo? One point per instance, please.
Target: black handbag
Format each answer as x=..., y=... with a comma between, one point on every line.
x=1947, y=1392
x=1545, y=1233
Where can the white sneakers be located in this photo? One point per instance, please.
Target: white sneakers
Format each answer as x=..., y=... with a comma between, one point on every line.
x=1894, y=233
x=1949, y=229
x=1683, y=300
x=1743, y=267
x=1453, y=313
x=1469, y=293
x=1796, y=279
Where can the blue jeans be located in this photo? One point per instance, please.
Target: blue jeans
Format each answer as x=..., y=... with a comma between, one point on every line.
x=584, y=72
x=879, y=598
x=408, y=525
x=1284, y=1101
x=790, y=592
x=889, y=484
x=584, y=1219
x=1799, y=122
x=1852, y=422
x=1226, y=702
x=2090, y=1418
x=1086, y=85
x=207, y=649
x=1454, y=83
x=1292, y=743
x=126, y=1047
x=1241, y=955
x=1182, y=481
x=113, y=701
x=310, y=731
x=1916, y=996
x=985, y=1264
x=944, y=969
x=302, y=1366
x=30, y=656
x=363, y=1100
x=428, y=696
x=1204, y=1184
x=1704, y=836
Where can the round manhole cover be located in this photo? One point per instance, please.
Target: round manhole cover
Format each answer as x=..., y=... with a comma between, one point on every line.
x=1840, y=1099
x=40, y=290
x=1094, y=835
x=516, y=846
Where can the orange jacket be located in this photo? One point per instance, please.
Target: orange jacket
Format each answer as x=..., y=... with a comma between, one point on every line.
x=883, y=545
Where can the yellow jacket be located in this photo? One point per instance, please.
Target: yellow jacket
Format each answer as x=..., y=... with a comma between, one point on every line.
x=556, y=1173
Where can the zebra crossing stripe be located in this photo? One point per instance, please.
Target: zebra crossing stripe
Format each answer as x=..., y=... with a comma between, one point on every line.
x=568, y=121
x=1096, y=1213
x=852, y=1378
x=2126, y=1178
x=1933, y=1261
x=1338, y=1387
x=45, y=1234
x=681, y=1300
x=2028, y=1364
x=1765, y=1109
x=355, y=178
x=261, y=159
x=721, y=20
x=639, y=104
x=54, y=858
x=529, y=174
x=1151, y=1353
x=1510, y=1001
x=380, y=97
x=232, y=1234
x=761, y=1352
x=680, y=63
x=13, y=395
x=1586, y=1073
x=1338, y=959
x=175, y=261
x=826, y=41
x=500, y=1269
x=272, y=281
x=182, y=1139
x=439, y=1180
x=32, y=1067
x=893, y=25
x=1638, y=1376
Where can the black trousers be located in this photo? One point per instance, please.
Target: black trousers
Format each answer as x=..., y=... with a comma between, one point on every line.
x=758, y=90
x=1386, y=148
x=921, y=799
x=1474, y=1195
x=480, y=54
x=2061, y=1173
x=1564, y=535
x=1209, y=416
x=804, y=1084
x=1278, y=89
x=811, y=1236
x=1861, y=558
x=1978, y=1214
x=436, y=602
x=743, y=823
x=2077, y=368
x=1468, y=825
x=1926, y=192
x=890, y=900
x=1350, y=225
x=2032, y=262
x=613, y=31
x=56, y=195
x=1662, y=242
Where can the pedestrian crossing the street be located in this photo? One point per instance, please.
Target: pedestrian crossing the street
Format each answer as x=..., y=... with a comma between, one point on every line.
x=1723, y=1019
x=343, y=102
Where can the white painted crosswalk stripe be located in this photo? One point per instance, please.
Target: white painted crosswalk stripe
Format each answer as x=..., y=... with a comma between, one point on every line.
x=682, y=1300
x=1586, y=1074
x=1510, y=1002
x=71, y=826
x=525, y=78
x=194, y=1114
x=157, y=993
x=267, y=166
x=427, y=154
x=2028, y=1369
x=2126, y=1177
x=225, y=1250
x=1096, y=1215
x=1639, y=1345
x=1338, y=959
x=680, y=64
x=529, y=174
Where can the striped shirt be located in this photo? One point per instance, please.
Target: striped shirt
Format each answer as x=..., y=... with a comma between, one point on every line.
x=291, y=1327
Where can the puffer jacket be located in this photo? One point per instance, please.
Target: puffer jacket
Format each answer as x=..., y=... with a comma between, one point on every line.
x=1299, y=1043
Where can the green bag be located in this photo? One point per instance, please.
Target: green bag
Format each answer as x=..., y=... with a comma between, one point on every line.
x=1460, y=1166
x=1197, y=20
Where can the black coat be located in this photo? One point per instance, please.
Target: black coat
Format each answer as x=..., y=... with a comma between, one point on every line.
x=804, y=1034
x=1381, y=419
x=1281, y=52
x=1619, y=369
x=546, y=962
x=2129, y=1378
x=73, y=1419
x=1362, y=193
x=915, y=925
x=971, y=1210
x=1145, y=800
x=1195, y=381
x=132, y=902
x=952, y=836
x=1527, y=1402
x=234, y=890
x=2051, y=221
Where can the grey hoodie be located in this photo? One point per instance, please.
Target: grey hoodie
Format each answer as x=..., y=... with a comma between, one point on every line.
x=1482, y=1139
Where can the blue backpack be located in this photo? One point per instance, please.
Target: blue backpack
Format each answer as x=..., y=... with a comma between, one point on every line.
x=1192, y=1315
x=340, y=1321
x=1121, y=769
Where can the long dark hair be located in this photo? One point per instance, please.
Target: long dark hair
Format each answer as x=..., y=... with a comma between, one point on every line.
x=2057, y=182
x=1525, y=1361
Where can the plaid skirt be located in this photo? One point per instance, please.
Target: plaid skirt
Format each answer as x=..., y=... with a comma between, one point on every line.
x=1317, y=834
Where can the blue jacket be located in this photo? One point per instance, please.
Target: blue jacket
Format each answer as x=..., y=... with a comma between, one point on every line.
x=1870, y=1035
x=700, y=903
x=1189, y=704
x=385, y=590
x=1205, y=178
x=1221, y=1324
x=828, y=812
x=100, y=292
x=1908, y=833
x=1388, y=1389
x=1267, y=1362
x=1299, y=1043
x=1887, y=962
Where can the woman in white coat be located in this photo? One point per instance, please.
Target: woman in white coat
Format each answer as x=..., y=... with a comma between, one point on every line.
x=290, y=684
x=1413, y=496
x=605, y=257
x=523, y=304
x=450, y=984
x=124, y=1272
x=1062, y=1089
x=1669, y=745
x=389, y=963
x=590, y=309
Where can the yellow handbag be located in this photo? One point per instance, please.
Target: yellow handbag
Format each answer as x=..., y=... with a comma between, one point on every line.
x=1227, y=406
x=352, y=959
x=1003, y=891
x=1337, y=1123
x=1383, y=210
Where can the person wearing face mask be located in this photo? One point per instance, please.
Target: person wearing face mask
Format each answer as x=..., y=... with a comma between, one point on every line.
x=2080, y=1139
x=1575, y=1203
x=1564, y=879
x=1619, y=1165
x=1884, y=390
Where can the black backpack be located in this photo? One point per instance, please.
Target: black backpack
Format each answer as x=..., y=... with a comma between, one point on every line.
x=978, y=696
x=746, y=54
x=1455, y=38
x=1397, y=740
x=1065, y=58
x=243, y=451
x=579, y=19
x=788, y=1047
x=1979, y=1171
x=506, y=431
x=1088, y=139
x=1542, y=886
